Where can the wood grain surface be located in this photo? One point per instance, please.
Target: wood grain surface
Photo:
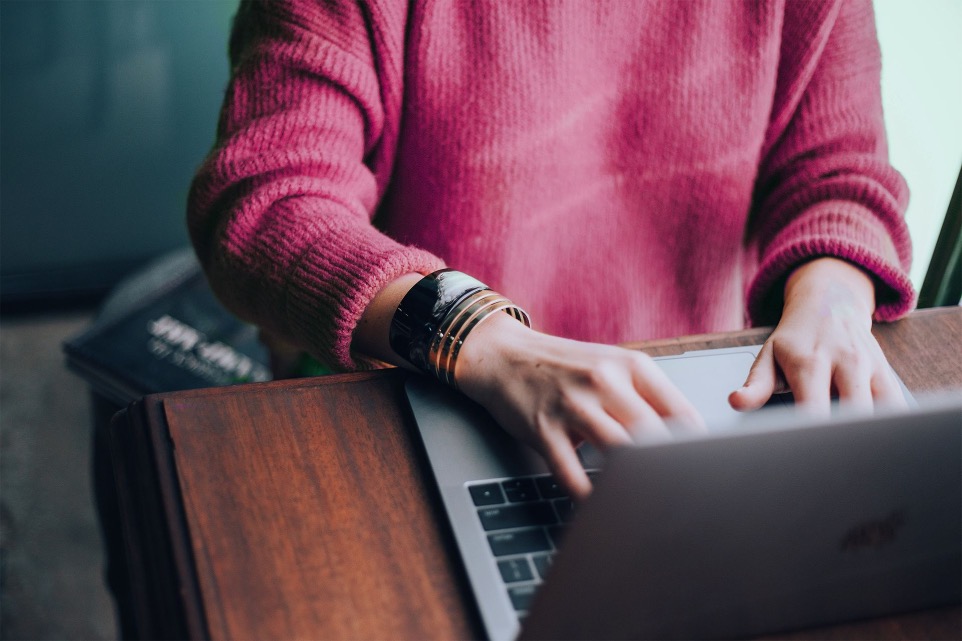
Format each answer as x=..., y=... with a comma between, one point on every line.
x=306, y=510
x=309, y=517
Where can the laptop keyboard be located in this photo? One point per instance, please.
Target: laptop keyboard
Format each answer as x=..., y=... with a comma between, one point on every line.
x=523, y=520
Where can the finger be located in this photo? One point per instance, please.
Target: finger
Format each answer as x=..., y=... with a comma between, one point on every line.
x=648, y=428
x=886, y=389
x=854, y=385
x=626, y=407
x=558, y=451
x=760, y=383
x=649, y=433
x=623, y=404
x=657, y=390
x=810, y=380
x=642, y=421
x=598, y=427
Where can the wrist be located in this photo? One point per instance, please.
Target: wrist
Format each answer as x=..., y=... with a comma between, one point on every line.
x=834, y=285
x=436, y=316
x=488, y=349
x=372, y=332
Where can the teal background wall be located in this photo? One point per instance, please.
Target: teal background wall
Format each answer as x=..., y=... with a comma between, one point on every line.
x=106, y=109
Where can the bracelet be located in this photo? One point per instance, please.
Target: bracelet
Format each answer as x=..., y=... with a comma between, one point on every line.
x=422, y=310
x=436, y=316
x=466, y=322
x=441, y=342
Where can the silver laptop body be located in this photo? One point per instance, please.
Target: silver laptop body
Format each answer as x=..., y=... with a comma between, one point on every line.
x=779, y=526
x=465, y=447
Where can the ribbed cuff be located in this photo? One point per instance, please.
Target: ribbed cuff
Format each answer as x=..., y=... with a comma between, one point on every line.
x=339, y=288
x=840, y=230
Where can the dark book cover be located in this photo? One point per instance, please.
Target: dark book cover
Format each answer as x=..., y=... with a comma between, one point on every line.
x=166, y=332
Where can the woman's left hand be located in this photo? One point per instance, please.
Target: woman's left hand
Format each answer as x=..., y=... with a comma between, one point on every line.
x=823, y=344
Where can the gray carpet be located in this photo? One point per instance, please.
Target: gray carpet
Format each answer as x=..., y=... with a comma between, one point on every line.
x=51, y=579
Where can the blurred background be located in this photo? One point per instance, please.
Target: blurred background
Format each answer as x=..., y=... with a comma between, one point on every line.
x=106, y=109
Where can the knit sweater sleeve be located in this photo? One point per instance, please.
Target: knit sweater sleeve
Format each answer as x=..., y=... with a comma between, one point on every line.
x=825, y=186
x=280, y=212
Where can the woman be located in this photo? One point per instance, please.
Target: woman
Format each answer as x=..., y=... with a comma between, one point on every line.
x=620, y=170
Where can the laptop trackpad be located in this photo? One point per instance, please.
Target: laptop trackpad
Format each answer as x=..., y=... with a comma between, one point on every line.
x=707, y=378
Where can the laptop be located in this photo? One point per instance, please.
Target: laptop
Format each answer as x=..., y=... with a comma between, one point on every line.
x=732, y=533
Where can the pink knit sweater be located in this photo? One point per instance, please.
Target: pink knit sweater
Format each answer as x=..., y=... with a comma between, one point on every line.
x=623, y=170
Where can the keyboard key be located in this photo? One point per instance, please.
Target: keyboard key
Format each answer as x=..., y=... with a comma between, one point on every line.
x=541, y=563
x=512, y=516
x=514, y=570
x=518, y=490
x=519, y=542
x=556, y=533
x=565, y=509
x=521, y=596
x=487, y=494
x=550, y=488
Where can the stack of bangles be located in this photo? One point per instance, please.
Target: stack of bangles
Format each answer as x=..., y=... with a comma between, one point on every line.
x=436, y=316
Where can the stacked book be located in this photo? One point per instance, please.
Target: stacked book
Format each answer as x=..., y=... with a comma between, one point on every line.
x=164, y=330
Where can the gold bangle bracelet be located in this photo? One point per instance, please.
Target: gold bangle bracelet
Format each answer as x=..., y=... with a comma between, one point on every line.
x=482, y=315
x=466, y=320
x=503, y=304
x=437, y=346
x=458, y=321
x=511, y=309
x=435, y=317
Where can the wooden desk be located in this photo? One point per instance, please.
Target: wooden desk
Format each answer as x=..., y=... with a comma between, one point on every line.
x=303, y=509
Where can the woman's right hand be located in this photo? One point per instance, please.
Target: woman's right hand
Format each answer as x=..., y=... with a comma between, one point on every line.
x=550, y=392
x=554, y=393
